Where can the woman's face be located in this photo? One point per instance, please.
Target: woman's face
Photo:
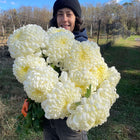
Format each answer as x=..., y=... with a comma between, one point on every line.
x=66, y=19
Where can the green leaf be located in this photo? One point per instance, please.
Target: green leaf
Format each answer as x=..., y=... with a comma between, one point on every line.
x=78, y=103
x=33, y=120
x=88, y=93
x=40, y=114
x=52, y=65
x=27, y=123
x=30, y=107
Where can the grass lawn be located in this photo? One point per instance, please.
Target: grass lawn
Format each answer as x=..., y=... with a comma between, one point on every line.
x=124, y=120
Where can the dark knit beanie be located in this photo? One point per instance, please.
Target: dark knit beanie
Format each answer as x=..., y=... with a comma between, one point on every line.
x=74, y=5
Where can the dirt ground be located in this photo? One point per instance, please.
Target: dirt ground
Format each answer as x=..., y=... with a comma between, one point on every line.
x=5, y=58
x=138, y=42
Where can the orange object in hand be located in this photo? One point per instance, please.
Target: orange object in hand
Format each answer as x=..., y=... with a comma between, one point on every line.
x=25, y=108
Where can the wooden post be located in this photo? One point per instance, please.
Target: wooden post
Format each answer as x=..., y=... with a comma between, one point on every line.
x=98, y=35
x=2, y=30
x=47, y=26
x=91, y=30
x=13, y=27
x=107, y=31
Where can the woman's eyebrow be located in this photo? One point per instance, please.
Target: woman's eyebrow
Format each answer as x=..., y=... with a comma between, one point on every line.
x=59, y=11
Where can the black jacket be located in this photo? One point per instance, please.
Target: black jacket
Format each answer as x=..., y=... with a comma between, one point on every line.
x=81, y=35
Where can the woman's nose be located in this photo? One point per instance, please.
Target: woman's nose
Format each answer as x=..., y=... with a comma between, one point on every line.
x=65, y=17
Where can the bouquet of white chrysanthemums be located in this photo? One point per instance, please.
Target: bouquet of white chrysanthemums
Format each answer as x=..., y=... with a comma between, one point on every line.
x=67, y=77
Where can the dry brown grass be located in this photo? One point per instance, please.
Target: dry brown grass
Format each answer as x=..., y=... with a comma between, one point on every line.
x=2, y=110
x=12, y=97
x=9, y=109
x=123, y=124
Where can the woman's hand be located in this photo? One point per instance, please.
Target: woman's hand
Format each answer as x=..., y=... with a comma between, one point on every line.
x=25, y=108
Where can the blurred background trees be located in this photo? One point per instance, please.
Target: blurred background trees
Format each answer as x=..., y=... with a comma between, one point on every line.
x=102, y=20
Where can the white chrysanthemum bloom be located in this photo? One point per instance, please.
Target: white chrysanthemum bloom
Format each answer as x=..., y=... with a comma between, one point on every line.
x=26, y=40
x=53, y=30
x=64, y=93
x=85, y=77
x=84, y=54
x=50, y=32
x=59, y=46
x=93, y=111
x=107, y=92
x=113, y=76
x=82, y=79
x=88, y=115
x=39, y=82
x=23, y=64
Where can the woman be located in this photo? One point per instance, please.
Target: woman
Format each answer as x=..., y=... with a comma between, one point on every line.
x=66, y=14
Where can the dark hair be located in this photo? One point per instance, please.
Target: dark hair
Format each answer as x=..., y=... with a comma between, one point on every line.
x=78, y=23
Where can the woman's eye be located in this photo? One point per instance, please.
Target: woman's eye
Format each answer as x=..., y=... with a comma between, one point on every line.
x=69, y=15
x=59, y=14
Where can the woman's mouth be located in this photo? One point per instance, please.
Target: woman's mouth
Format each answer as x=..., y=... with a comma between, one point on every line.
x=65, y=26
